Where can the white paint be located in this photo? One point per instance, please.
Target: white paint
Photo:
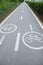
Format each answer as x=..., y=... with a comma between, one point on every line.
x=17, y=42
x=35, y=48
x=2, y=39
x=32, y=38
x=21, y=17
x=30, y=27
x=8, y=28
x=35, y=16
x=28, y=39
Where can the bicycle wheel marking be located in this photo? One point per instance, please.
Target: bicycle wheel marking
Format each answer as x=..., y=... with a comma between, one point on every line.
x=8, y=28
x=33, y=40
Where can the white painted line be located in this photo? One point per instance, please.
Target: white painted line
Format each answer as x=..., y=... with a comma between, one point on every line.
x=10, y=15
x=17, y=42
x=2, y=39
x=21, y=17
x=35, y=16
x=30, y=27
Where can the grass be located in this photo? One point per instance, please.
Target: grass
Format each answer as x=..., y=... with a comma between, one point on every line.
x=6, y=8
x=37, y=7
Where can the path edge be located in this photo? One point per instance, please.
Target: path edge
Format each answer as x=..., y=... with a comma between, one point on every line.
x=10, y=15
x=39, y=22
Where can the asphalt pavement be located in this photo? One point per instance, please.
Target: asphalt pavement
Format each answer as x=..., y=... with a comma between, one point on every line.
x=21, y=39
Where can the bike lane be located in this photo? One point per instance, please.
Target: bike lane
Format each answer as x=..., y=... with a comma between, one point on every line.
x=21, y=34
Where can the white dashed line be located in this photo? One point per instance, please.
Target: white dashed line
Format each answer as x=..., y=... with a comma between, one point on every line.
x=30, y=27
x=17, y=42
x=21, y=17
x=2, y=39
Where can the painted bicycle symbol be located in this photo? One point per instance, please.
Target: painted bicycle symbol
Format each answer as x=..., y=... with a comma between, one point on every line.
x=33, y=40
x=7, y=29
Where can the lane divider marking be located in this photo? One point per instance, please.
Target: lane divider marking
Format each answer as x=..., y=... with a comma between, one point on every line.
x=17, y=42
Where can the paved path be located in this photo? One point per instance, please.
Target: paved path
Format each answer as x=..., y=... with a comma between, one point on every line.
x=21, y=39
